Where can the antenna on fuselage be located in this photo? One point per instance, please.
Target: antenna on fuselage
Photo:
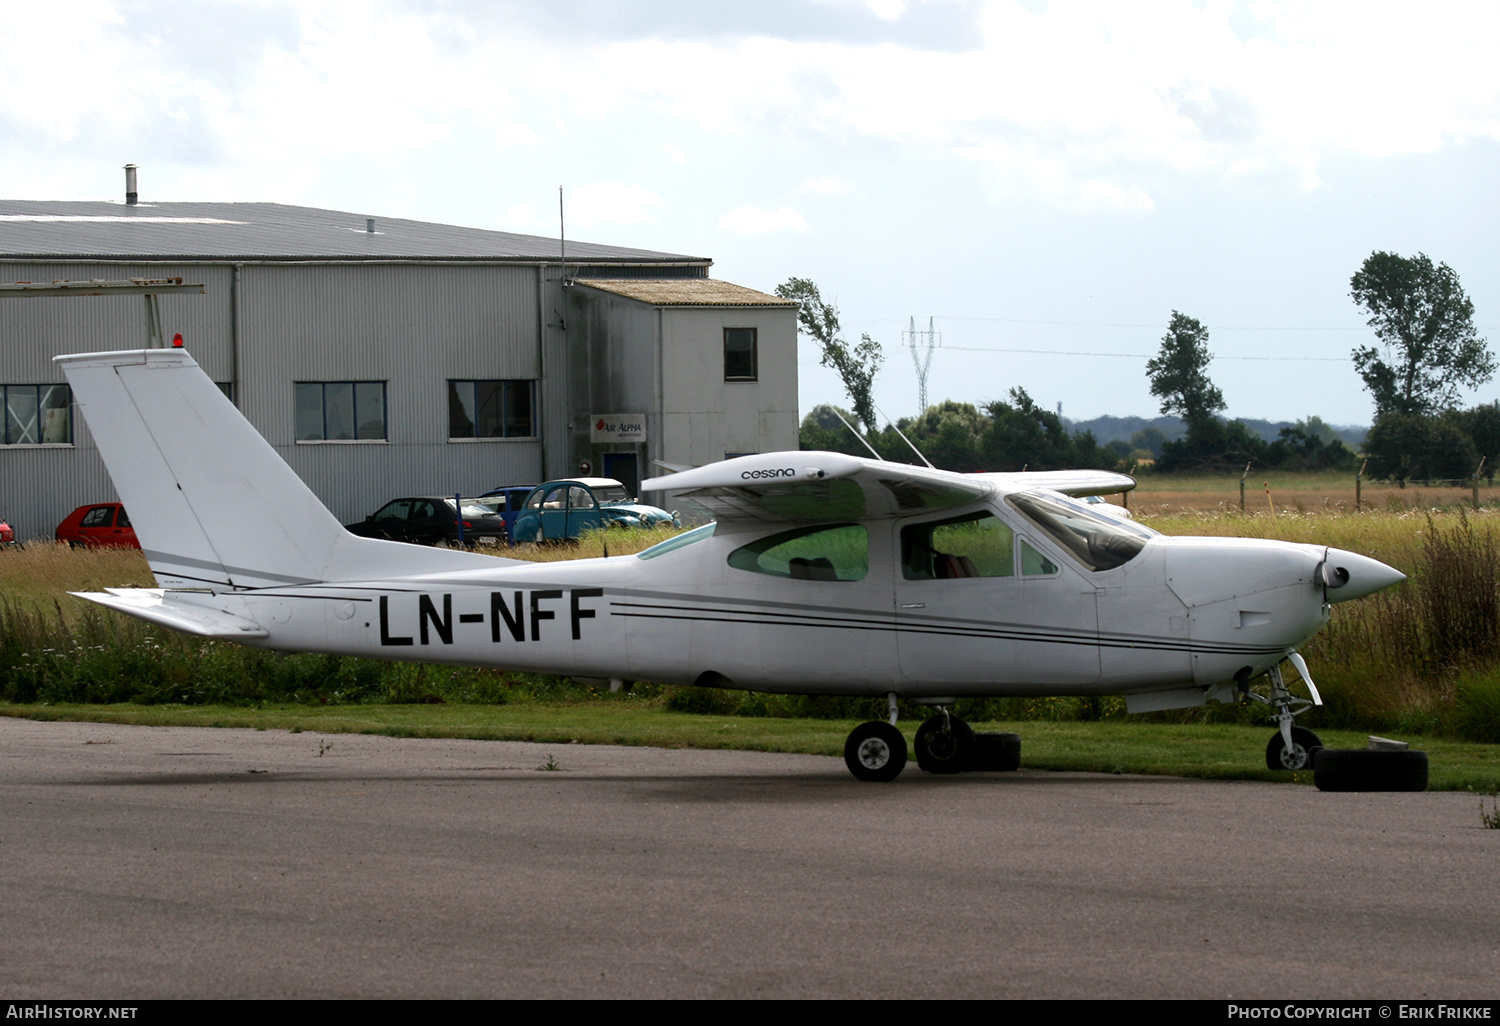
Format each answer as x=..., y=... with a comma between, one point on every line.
x=908, y=441
x=856, y=434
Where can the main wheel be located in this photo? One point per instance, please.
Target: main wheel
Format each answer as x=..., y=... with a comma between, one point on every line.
x=1361, y=769
x=875, y=751
x=1297, y=757
x=945, y=744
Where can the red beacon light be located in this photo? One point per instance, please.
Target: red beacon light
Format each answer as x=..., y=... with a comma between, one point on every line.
x=177, y=341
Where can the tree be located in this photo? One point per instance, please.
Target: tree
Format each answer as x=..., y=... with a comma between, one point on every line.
x=1179, y=374
x=855, y=366
x=1411, y=447
x=1426, y=323
x=1024, y=435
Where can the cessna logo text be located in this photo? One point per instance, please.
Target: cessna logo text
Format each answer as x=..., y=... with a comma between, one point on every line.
x=751, y=475
x=512, y=616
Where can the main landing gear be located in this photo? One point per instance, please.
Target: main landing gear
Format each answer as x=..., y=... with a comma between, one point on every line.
x=944, y=744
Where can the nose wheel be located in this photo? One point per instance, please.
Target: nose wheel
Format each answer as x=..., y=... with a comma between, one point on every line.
x=1299, y=756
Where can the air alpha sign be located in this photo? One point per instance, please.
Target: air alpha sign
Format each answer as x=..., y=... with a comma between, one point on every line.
x=620, y=428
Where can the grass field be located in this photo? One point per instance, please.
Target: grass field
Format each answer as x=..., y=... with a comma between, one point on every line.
x=1295, y=493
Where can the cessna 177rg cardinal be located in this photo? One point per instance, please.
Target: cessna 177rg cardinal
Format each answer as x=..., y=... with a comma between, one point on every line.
x=823, y=574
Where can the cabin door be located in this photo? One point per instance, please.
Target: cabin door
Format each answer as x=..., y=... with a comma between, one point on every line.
x=980, y=606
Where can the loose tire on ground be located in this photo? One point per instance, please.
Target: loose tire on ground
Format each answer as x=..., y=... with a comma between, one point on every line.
x=941, y=750
x=1363, y=769
x=1301, y=755
x=875, y=751
x=995, y=752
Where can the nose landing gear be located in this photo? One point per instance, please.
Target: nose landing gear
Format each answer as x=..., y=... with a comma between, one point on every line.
x=1291, y=747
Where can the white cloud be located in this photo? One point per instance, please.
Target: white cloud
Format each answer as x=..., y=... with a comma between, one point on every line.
x=828, y=185
x=1101, y=96
x=755, y=221
x=610, y=203
x=890, y=10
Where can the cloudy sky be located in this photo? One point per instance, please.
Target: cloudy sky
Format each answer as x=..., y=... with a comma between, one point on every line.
x=1047, y=181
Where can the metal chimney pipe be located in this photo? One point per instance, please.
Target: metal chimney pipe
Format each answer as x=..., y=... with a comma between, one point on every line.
x=130, y=194
x=370, y=225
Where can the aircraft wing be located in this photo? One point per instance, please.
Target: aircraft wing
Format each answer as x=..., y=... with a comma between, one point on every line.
x=794, y=487
x=1077, y=483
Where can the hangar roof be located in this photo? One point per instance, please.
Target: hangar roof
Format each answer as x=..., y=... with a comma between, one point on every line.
x=686, y=292
x=89, y=229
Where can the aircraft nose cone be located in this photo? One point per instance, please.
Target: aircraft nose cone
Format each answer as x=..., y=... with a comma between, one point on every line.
x=1348, y=575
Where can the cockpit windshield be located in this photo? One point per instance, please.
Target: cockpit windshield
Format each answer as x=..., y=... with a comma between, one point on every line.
x=1098, y=541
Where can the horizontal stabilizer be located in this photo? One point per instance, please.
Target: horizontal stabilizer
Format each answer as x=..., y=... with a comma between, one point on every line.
x=151, y=604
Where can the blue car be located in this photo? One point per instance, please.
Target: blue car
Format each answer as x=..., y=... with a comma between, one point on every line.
x=559, y=510
x=507, y=501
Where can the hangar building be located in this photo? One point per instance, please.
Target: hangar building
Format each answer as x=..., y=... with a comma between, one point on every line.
x=385, y=357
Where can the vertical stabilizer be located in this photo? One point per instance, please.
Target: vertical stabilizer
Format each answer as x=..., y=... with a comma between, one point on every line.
x=211, y=502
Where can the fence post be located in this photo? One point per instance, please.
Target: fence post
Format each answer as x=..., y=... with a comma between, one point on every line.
x=1477, y=471
x=1242, y=488
x=1358, y=477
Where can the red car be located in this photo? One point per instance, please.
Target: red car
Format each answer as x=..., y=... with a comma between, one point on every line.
x=7, y=536
x=99, y=525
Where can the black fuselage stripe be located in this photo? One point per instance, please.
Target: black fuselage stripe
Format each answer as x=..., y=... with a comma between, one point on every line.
x=992, y=633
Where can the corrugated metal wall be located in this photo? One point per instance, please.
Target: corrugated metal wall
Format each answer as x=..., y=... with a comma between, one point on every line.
x=39, y=485
x=414, y=326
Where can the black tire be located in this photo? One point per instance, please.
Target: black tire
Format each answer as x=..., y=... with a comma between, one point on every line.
x=875, y=751
x=996, y=752
x=944, y=744
x=1301, y=755
x=1361, y=769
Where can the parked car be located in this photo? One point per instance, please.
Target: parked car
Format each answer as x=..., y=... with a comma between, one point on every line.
x=565, y=509
x=430, y=519
x=1102, y=505
x=7, y=536
x=96, y=526
x=508, y=501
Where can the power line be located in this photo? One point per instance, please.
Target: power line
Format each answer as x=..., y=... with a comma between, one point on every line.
x=1143, y=356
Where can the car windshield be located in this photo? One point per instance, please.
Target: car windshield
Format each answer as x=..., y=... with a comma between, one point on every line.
x=615, y=494
x=477, y=507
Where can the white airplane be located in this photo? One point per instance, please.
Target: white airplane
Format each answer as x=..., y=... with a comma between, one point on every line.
x=824, y=574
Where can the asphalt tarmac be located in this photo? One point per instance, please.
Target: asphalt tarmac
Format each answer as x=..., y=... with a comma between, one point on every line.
x=145, y=862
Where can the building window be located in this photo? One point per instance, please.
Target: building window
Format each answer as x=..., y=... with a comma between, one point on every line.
x=739, y=354
x=37, y=415
x=491, y=409
x=340, y=411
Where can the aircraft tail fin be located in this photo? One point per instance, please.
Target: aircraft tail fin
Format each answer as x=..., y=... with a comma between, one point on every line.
x=211, y=502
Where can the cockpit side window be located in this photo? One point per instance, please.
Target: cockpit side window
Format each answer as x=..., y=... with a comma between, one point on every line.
x=1098, y=542
x=976, y=545
x=835, y=553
